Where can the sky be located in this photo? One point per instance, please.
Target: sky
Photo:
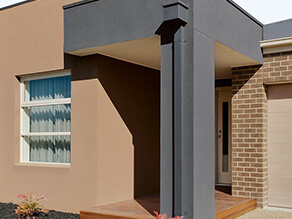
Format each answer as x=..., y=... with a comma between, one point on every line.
x=4, y=3
x=266, y=11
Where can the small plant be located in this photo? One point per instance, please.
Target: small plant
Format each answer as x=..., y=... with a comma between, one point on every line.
x=29, y=205
x=164, y=216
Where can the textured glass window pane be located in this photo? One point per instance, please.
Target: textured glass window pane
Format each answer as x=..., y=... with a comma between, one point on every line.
x=54, y=149
x=225, y=152
x=55, y=118
x=48, y=88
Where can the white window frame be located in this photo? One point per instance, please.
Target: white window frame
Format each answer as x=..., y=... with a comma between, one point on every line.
x=24, y=104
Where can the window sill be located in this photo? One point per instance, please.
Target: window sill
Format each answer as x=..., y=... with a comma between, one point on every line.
x=35, y=164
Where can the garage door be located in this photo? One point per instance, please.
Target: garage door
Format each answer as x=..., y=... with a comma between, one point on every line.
x=280, y=145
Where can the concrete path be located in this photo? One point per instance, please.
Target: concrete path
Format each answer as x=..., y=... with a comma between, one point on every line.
x=268, y=213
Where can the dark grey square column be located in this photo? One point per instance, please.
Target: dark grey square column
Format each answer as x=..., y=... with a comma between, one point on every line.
x=187, y=118
x=203, y=128
x=166, y=131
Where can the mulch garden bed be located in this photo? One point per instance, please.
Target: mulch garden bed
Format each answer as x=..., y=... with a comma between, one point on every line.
x=7, y=212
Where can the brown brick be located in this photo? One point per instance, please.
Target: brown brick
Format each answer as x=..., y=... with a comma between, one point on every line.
x=239, y=159
x=250, y=189
x=257, y=185
x=275, y=74
x=250, y=150
x=237, y=178
x=257, y=175
x=286, y=62
x=238, y=188
x=268, y=59
x=249, y=140
x=243, y=116
x=251, y=170
x=275, y=64
x=243, y=184
x=268, y=69
x=249, y=91
x=245, y=194
x=249, y=159
x=253, y=194
x=247, y=111
x=249, y=123
x=243, y=154
x=280, y=58
x=243, y=165
x=257, y=164
x=237, y=150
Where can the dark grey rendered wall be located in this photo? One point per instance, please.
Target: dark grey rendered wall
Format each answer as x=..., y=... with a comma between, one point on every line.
x=278, y=30
x=110, y=21
x=222, y=21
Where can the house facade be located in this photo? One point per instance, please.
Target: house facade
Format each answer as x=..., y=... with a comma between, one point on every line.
x=261, y=121
x=105, y=101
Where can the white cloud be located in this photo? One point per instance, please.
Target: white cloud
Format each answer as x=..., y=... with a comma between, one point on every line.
x=267, y=11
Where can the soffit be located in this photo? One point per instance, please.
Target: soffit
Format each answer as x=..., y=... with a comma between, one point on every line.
x=226, y=58
x=145, y=52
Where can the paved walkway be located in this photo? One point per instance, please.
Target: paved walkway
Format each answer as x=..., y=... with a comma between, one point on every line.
x=267, y=214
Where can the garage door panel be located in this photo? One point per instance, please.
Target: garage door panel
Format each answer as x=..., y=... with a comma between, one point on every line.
x=280, y=118
x=280, y=145
x=282, y=128
x=280, y=106
x=283, y=180
x=280, y=201
x=279, y=170
x=277, y=149
x=281, y=159
x=277, y=193
x=279, y=138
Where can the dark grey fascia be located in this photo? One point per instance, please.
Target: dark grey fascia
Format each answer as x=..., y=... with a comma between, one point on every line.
x=75, y=4
x=245, y=12
x=93, y=23
x=226, y=23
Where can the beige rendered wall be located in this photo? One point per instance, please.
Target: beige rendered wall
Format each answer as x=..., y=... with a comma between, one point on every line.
x=32, y=41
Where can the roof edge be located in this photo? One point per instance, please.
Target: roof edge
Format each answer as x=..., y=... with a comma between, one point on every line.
x=276, y=42
x=245, y=12
x=75, y=4
x=278, y=22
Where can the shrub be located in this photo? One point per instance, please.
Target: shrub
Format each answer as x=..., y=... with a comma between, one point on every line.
x=164, y=216
x=29, y=205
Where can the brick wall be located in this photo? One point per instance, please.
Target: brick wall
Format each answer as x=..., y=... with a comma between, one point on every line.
x=249, y=124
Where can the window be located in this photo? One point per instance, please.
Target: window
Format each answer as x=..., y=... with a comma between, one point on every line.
x=46, y=118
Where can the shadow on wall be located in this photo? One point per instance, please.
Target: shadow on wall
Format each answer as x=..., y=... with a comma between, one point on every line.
x=242, y=76
x=135, y=92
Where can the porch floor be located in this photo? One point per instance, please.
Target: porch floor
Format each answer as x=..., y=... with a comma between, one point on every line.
x=226, y=206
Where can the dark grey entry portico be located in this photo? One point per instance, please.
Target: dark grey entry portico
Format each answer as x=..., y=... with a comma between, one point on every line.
x=188, y=31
